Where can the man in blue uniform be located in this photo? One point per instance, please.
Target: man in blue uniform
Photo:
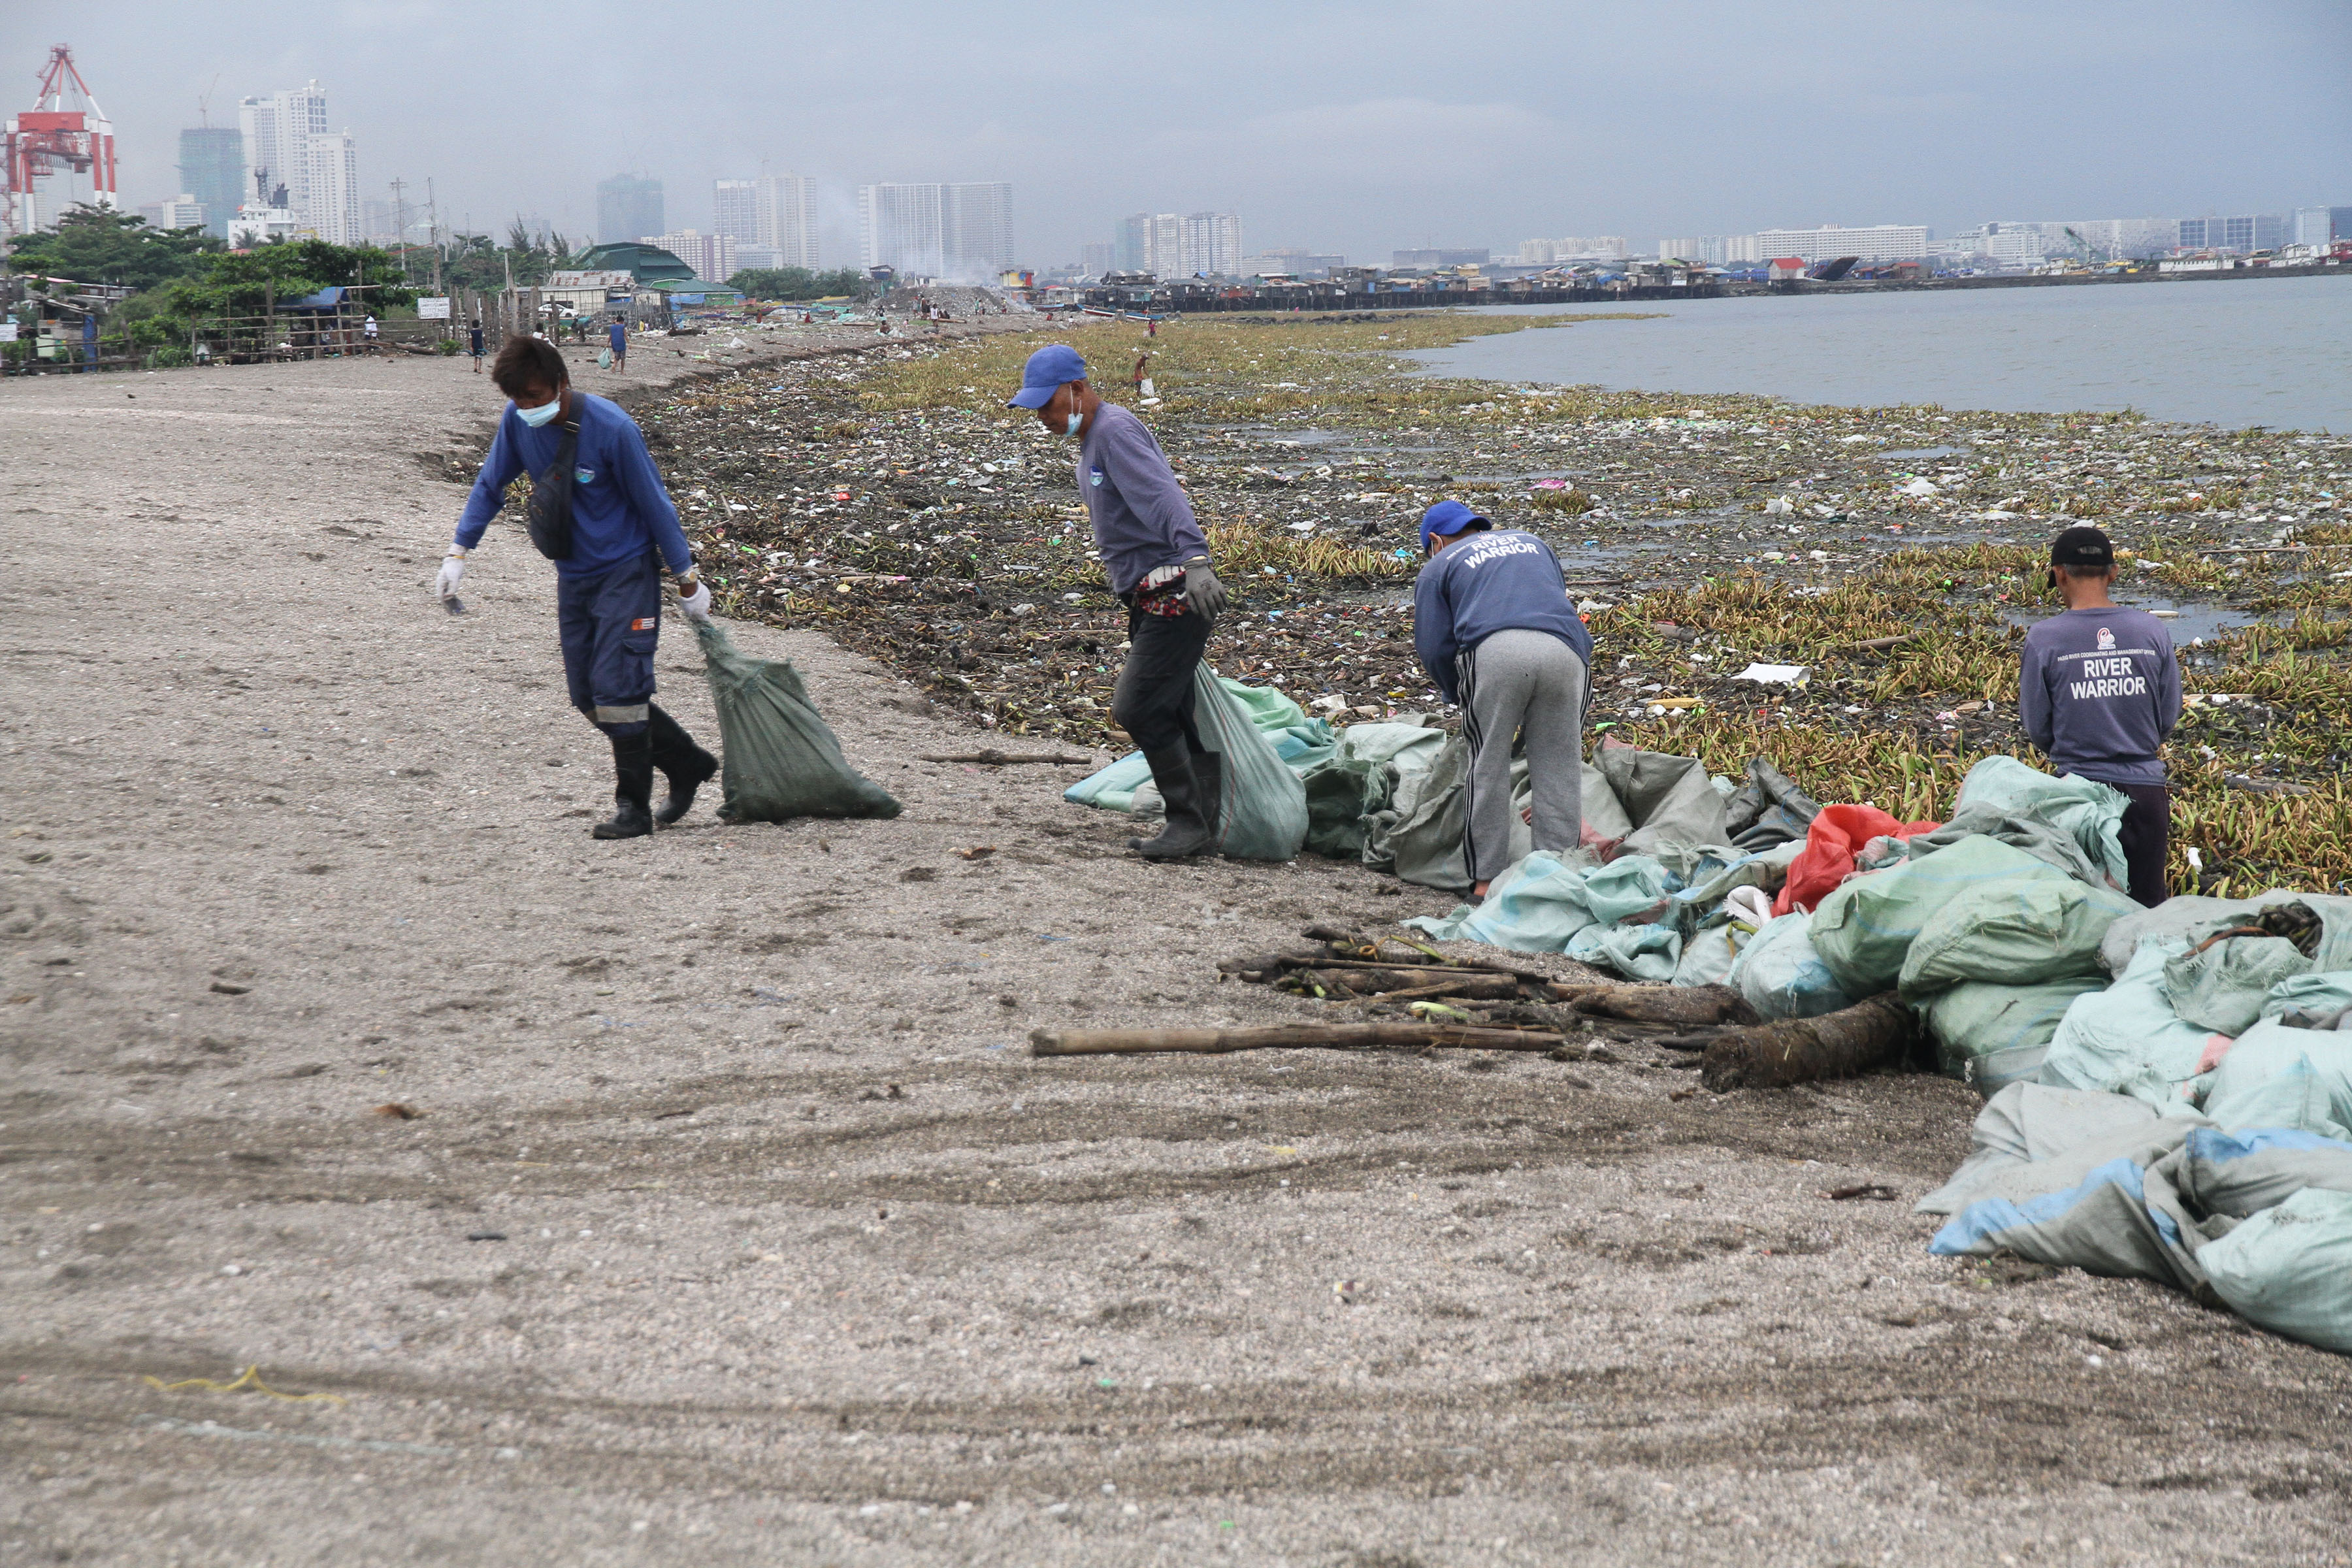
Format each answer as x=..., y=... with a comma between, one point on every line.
x=1157, y=562
x=608, y=587
x=2099, y=692
x=1493, y=626
x=618, y=335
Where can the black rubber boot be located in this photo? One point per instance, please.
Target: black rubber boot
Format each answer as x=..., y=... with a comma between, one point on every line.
x=632, y=787
x=1187, y=829
x=685, y=765
x=1209, y=770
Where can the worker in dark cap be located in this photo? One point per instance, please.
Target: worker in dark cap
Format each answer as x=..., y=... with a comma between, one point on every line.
x=2099, y=692
x=1158, y=561
x=1494, y=627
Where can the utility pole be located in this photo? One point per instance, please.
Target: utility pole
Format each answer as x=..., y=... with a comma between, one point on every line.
x=400, y=225
x=434, y=232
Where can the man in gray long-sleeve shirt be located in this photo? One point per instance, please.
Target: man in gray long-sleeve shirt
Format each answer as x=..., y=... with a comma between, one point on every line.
x=2099, y=692
x=1159, y=566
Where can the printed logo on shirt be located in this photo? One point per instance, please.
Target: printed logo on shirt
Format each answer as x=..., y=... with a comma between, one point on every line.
x=2106, y=640
x=1093, y=476
x=642, y=624
x=2117, y=677
x=583, y=476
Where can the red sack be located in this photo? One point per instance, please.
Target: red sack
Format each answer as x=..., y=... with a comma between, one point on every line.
x=1835, y=837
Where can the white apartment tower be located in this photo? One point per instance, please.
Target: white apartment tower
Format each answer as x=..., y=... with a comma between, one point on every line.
x=937, y=231
x=775, y=212
x=331, y=180
x=1880, y=242
x=1210, y=243
x=286, y=143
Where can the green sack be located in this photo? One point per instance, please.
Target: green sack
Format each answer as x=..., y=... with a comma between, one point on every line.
x=2018, y=931
x=2285, y=1267
x=1990, y=1036
x=2222, y=988
x=1261, y=805
x=781, y=760
x=1864, y=928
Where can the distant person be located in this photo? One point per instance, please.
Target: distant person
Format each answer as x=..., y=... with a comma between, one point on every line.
x=616, y=337
x=2099, y=692
x=1494, y=627
x=368, y=330
x=88, y=342
x=608, y=599
x=1158, y=562
x=475, y=344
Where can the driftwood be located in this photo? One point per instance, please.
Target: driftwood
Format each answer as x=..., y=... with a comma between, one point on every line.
x=993, y=758
x=1327, y=1037
x=1844, y=1044
x=1689, y=1005
x=1395, y=982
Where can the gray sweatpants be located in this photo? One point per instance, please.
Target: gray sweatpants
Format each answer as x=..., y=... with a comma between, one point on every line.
x=1521, y=683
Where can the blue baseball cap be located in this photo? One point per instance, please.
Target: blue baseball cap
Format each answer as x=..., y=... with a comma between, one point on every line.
x=1448, y=518
x=1048, y=370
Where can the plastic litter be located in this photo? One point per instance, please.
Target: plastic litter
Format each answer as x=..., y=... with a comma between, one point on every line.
x=1261, y=808
x=1542, y=903
x=2125, y=1039
x=1833, y=837
x=2275, y=1076
x=2285, y=1268
x=781, y=760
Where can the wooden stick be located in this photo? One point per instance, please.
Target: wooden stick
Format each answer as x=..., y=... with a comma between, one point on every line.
x=1326, y=1036
x=996, y=758
x=1800, y=1050
x=1368, y=982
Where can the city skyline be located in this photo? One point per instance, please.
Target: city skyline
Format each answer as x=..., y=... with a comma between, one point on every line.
x=1360, y=142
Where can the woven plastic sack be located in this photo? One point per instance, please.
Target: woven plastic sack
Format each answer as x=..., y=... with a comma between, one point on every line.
x=1835, y=836
x=2286, y=1268
x=2222, y=987
x=782, y=761
x=2071, y=822
x=1782, y=976
x=1262, y=807
x=2278, y=1077
x=2018, y=931
x=1542, y=904
x=2125, y=1039
x=1989, y=1037
x=1863, y=930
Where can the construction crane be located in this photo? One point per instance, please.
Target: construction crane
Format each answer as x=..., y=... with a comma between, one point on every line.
x=2091, y=255
x=64, y=132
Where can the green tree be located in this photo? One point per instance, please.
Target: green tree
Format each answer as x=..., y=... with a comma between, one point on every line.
x=243, y=284
x=800, y=283
x=98, y=245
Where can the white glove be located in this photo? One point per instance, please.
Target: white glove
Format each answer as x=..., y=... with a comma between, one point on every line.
x=453, y=570
x=697, y=605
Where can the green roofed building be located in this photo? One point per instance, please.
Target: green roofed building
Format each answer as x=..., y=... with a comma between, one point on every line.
x=649, y=264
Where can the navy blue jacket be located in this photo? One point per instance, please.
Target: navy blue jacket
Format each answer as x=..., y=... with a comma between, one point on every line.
x=620, y=509
x=1493, y=582
x=2099, y=692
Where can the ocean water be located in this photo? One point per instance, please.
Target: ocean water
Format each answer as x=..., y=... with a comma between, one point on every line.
x=2232, y=351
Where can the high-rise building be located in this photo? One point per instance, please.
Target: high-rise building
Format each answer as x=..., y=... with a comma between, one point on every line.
x=937, y=231
x=1879, y=242
x=1209, y=243
x=775, y=213
x=183, y=211
x=211, y=172
x=712, y=256
x=2242, y=232
x=2322, y=227
x=276, y=132
x=627, y=206
x=331, y=187
x=1094, y=260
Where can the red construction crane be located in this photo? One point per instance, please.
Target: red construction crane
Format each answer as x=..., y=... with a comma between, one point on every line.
x=55, y=136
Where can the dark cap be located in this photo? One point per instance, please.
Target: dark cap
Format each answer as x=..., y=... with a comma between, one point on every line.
x=2082, y=546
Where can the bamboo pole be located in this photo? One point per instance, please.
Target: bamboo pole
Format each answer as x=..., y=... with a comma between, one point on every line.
x=1325, y=1037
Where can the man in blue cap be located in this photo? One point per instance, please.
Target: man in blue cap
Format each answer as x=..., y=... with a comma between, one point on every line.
x=1493, y=626
x=1159, y=565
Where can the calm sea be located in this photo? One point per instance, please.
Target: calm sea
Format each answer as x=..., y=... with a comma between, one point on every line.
x=2273, y=351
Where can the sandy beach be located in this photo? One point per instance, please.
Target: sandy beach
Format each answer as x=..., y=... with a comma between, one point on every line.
x=693, y=1199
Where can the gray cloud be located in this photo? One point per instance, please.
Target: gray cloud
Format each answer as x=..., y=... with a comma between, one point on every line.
x=1357, y=128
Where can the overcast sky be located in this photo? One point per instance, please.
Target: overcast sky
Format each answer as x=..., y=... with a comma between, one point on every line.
x=1355, y=128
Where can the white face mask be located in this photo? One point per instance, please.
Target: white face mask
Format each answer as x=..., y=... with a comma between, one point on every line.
x=535, y=417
